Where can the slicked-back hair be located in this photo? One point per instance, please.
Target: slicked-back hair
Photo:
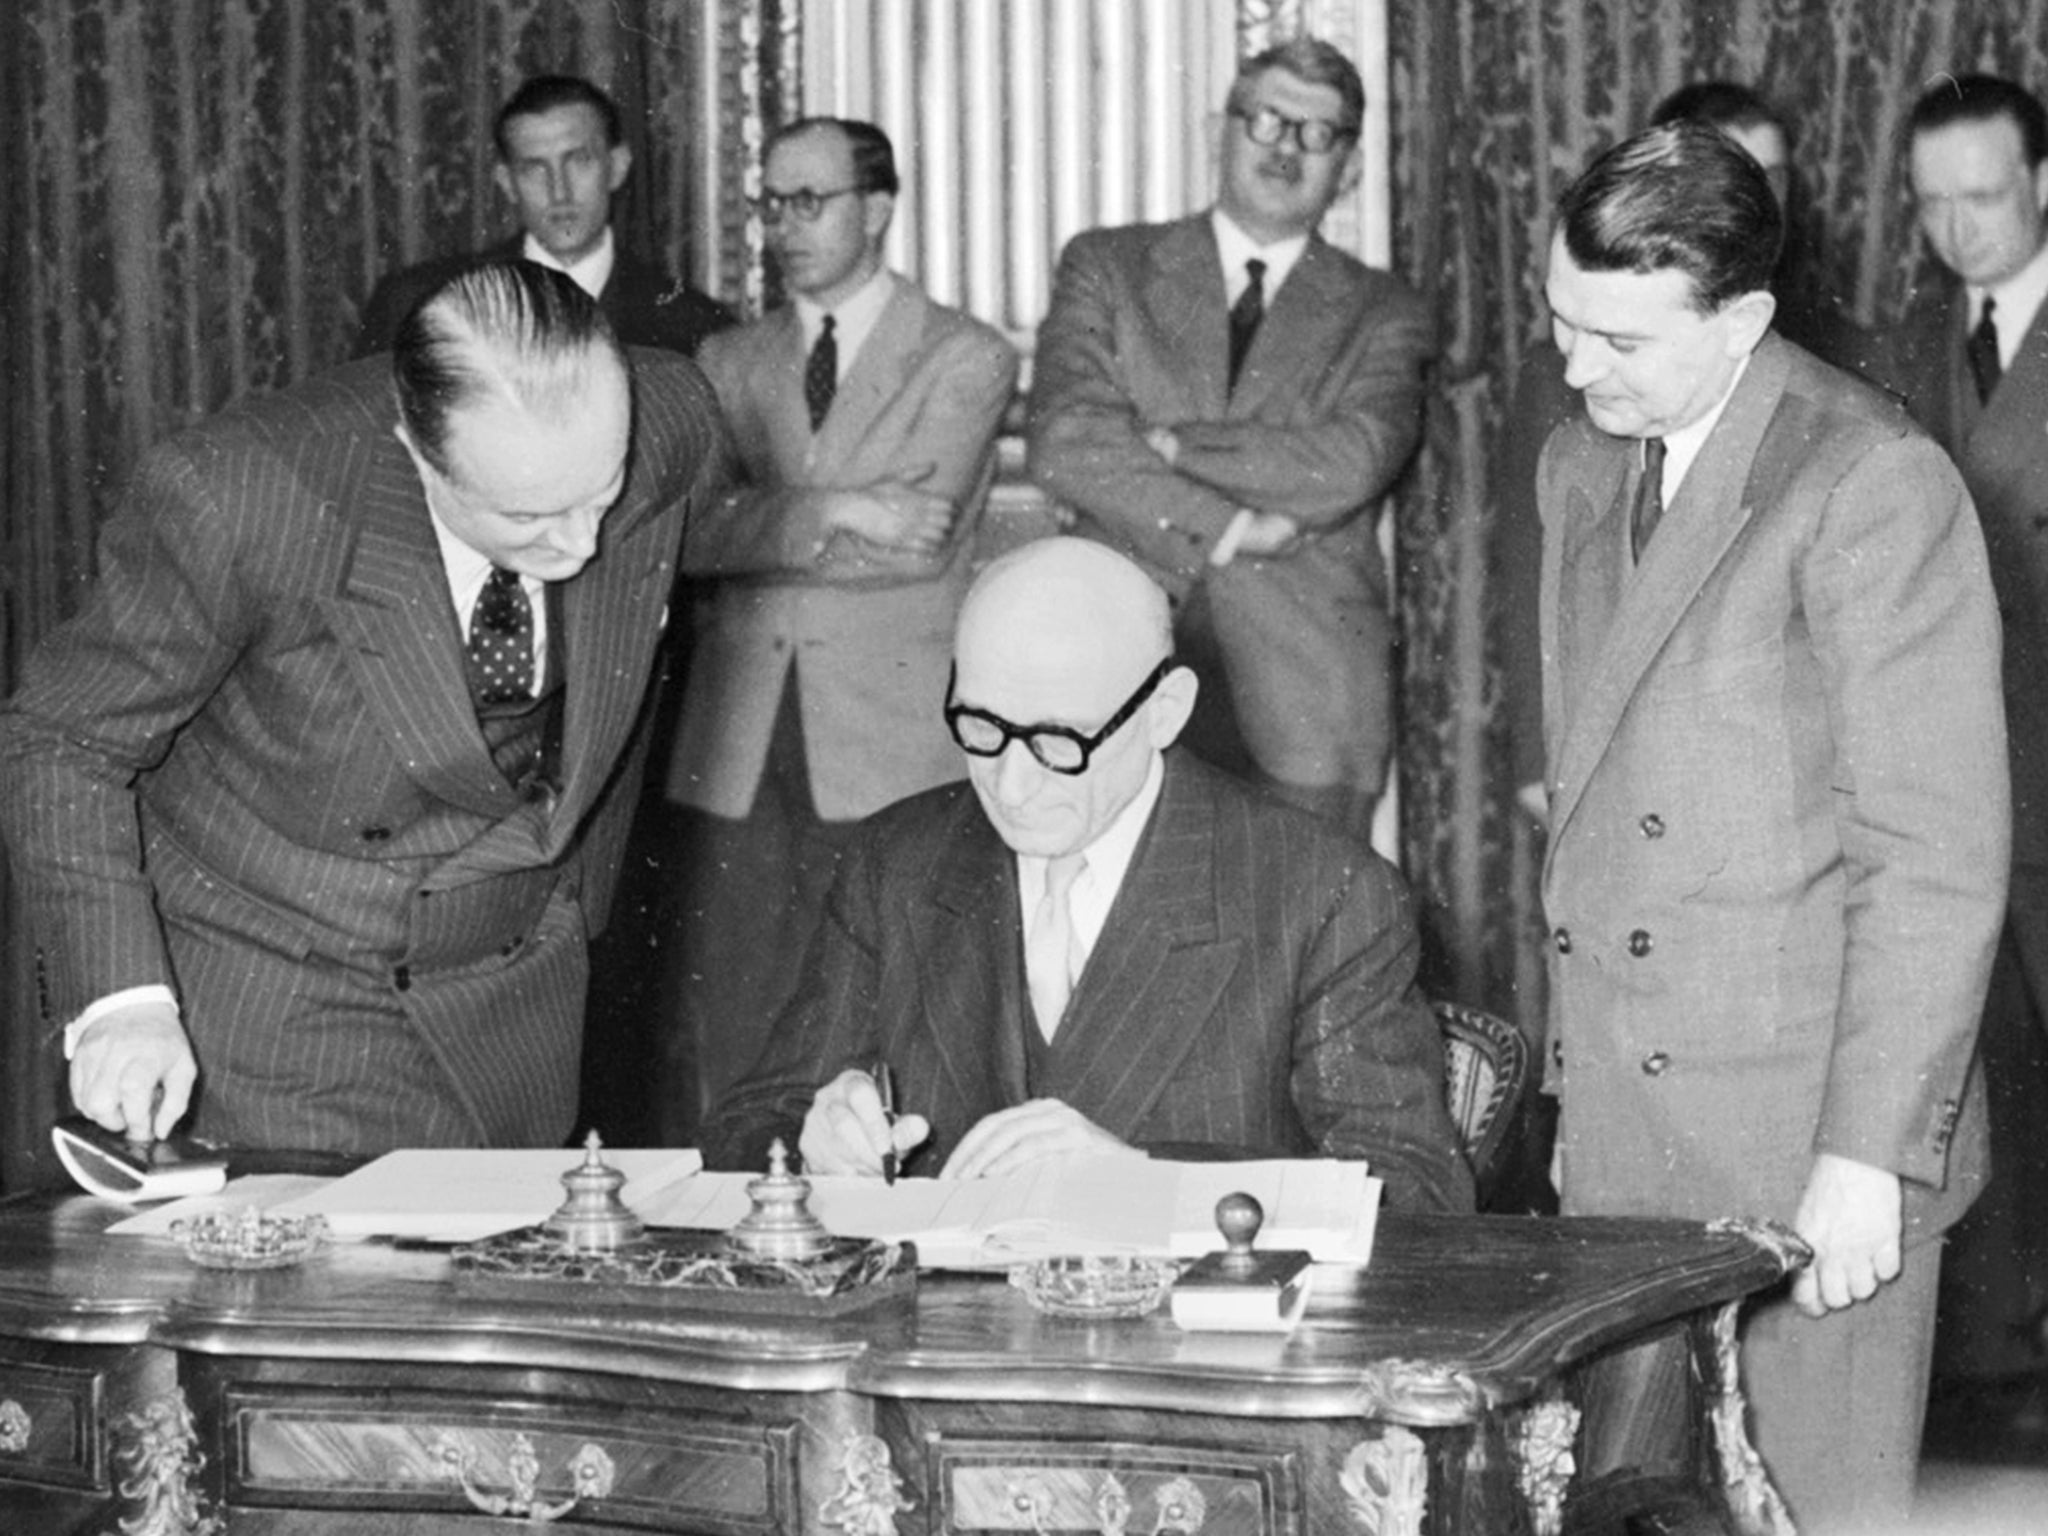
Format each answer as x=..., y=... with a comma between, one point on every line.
x=512, y=330
x=1724, y=103
x=545, y=93
x=874, y=158
x=1982, y=99
x=1312, y=61
x=1683, y=196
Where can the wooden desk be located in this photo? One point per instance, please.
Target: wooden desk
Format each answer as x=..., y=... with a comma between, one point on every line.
x=1432, y=1391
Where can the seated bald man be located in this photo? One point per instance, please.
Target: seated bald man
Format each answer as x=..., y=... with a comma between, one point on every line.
x=1099, y=941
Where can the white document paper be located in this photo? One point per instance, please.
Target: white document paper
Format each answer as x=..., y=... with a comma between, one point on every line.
x=263, y=1191
x=1114, y=1203
x=460, y=1194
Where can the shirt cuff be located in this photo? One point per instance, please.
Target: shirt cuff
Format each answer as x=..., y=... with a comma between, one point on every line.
x=155, y=992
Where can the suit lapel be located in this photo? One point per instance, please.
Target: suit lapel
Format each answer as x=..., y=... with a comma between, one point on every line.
x=2017, y=400
x=1709, y=511
x=392, y=612
x=1296, y=333
x=1157, y=972
x=1184, y=298
x=971, y=971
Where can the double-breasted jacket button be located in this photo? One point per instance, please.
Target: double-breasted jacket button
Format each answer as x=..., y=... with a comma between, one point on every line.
x=1652, y=825
x=374, y=834
x=511, y=947
x=401, y=978
x=1562, y=938
x=1639, y=943
x=1655, y=1063
x=1557, y=1053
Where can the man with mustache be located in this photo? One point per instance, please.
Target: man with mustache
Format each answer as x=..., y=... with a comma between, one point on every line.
x=1227, y=398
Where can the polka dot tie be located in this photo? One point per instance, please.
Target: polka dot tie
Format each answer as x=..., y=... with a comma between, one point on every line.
x=501, y=641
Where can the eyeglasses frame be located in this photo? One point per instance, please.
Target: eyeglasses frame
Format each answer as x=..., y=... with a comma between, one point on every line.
x=1087, y=742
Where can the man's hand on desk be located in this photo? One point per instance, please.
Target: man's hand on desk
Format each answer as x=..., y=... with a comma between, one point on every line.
x=1013, y=1139
x=122, y=1059
x=846, y=1131
x=1851, y=1214
x=896, y=513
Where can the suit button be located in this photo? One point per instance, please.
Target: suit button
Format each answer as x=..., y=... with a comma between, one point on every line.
x=511, y=947
x=1639, y=943
x=1557, y=1052
x=401, y=977
x=1563, y=940
x=375, y=834
x=1652, y=825
x=1655, y=1063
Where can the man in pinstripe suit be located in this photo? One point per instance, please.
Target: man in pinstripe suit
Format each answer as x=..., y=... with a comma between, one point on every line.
x=294, y=862
x=1102, y=941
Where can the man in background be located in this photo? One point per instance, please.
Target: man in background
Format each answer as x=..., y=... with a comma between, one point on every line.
x=318, y=798
x=1101, y=941
x=1971, y=361
x=1228, y=398
x=561, y=155
x=1778, y=809
x=824, y=587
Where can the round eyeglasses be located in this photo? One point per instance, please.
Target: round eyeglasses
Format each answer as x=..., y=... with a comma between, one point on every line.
x=1312, y=135
x=804, y=204
x=1058, y=747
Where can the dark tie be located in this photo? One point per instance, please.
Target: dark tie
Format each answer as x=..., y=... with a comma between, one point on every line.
x=821, y=374
x=1245, y=316
x=501, y=641
x=1983, y=351
x=1649, y=497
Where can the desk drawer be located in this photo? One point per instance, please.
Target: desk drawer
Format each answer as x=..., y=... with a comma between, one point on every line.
x=633, y=1468
x=1045, y=1484
x=51, y=1425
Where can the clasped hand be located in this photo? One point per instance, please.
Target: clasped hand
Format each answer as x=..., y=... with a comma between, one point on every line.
x=896, y=513
x=1851, y=1214
x=846, y=1132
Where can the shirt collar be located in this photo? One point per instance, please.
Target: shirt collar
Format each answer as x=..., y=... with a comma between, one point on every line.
x=1236, y=248
x=1109, y=860
x=852, y=320
x=1682, y=446
x=2019, y=300
x=590, y=274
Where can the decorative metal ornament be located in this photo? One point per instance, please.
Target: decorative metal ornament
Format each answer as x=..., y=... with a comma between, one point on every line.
x=1386, y=1481
x=158, y=1450
x=592, y=1474
x=870, y=1493
x=1542, y=1444
x=15, y=1425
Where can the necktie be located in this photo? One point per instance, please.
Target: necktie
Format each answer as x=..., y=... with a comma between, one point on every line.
x=501, y=641
x=1649, y=505
x=1245, y=316
x=1982, y=349
x=821, y=375
x=1049, y=954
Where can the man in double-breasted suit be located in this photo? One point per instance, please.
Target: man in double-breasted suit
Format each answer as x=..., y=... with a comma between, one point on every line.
x=1978, y=161
x=319, y=797
x=1100, y=940
x=865, y=417
x=1227, y=399
x=562, y=154
x=1778, y=801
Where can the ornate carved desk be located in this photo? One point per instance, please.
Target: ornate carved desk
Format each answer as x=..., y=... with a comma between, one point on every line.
x=361, y=1392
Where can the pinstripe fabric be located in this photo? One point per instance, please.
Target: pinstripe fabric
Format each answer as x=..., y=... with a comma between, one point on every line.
x=250, y=768
x=1252, y=993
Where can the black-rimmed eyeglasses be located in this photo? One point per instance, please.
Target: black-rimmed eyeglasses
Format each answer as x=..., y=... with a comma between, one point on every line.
x=804, y=204
x=1058, y=747
x=1312, y=135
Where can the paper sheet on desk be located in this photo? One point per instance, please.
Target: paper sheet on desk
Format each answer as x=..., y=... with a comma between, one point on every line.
x=460, y=1194
x=265, y=1191
x=1107, y=1204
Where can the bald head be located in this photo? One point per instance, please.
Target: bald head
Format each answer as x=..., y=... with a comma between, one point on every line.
x=1069, y=634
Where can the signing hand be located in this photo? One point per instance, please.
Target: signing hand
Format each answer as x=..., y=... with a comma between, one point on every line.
x=1015, y=1138
x=846, y=1131
x=122, y=1059
x=1851, y=1214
